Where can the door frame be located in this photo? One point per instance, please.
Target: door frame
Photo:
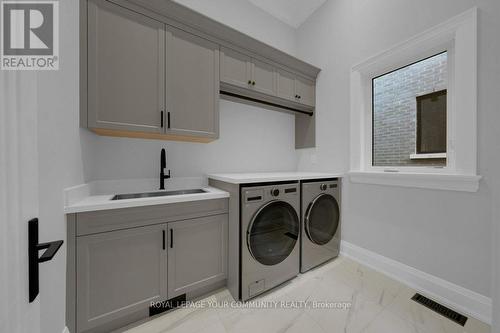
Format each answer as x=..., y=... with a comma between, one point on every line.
x=18, y=197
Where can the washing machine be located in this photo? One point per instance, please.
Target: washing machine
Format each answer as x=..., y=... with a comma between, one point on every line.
x=270, y=236
x=320, y=229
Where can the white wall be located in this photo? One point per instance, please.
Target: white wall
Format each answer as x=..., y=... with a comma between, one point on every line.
x=251, y=139
x=249, y=19
x=340, y=34
x=60, y=143
x=446, y=234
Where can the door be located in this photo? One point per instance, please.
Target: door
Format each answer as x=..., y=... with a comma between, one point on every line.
x=125, y=69
x=192, y=85
x=286, y=85
x=322, y=219
x=273, y=233
x=119, y=273
x=18, y=198
x=197, y=253
x=306, y=91
x=235, y=68
x=263, y=77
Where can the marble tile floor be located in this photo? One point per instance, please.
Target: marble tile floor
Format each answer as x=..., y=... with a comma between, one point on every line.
x=342, y=296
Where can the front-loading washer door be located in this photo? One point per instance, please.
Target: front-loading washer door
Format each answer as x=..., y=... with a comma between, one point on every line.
x=322, y=219
x=273, y=233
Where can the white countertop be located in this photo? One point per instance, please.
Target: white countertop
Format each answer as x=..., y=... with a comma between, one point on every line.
x=263, y=177
x=104, y=202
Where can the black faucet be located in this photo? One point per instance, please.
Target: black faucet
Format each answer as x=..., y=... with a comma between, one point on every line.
x=163, y=165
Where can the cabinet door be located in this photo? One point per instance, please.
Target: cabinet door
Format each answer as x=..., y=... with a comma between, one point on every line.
x=306, y=91
x=119, y=273
x=263, y=77
x=125, y=69
x=235, y=68
x=197, y=253
x=192, y=85
x=286, y=85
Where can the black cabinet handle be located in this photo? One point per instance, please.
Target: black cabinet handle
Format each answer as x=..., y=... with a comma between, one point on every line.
x=168, y=119
x=34, y=260
x=253, y=83
x=163, y=239
x=171, y=238
x=249, y=81
x=161, y=117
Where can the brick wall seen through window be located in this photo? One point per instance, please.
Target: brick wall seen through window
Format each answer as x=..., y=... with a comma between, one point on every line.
x=395, y=97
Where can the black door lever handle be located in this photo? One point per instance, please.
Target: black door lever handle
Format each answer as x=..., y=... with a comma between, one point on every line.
x=34, y=259
x=51, y=251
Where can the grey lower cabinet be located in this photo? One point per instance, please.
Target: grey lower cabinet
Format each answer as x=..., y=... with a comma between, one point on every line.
x=148, y=77
x=119, y=273
x=196, y=254
x=142, y=255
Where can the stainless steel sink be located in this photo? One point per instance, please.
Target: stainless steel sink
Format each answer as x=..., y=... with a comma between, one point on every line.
x=156, y=194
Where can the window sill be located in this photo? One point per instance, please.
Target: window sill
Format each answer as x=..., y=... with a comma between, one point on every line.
x=427, y=156
x=447, y=182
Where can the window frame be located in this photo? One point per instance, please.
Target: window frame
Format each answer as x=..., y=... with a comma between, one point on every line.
x=458, y=37
x=449, y=168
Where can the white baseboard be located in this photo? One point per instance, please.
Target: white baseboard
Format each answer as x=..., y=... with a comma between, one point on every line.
x=458, y=298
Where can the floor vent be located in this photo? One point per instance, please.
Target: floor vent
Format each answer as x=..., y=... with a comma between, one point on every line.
x=441, y=309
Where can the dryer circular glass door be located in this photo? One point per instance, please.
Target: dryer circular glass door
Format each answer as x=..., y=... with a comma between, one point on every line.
x=273, y=233
x=322, y=219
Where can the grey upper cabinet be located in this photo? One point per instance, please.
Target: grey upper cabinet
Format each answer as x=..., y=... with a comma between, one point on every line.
x=154, y=69
x=295, y=88
x=192, y=84
x=235, y=68
x=306, y=91
x=197, y=253
x=263, y=77
x=286, y=85
x=125, y=69
x=119, y=273
x=252, y=78
x=245, y=72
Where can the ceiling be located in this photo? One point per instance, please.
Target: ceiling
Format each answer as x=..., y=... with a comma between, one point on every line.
x=291, y=12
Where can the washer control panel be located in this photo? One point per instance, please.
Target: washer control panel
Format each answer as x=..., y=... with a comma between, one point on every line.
x=256, y=194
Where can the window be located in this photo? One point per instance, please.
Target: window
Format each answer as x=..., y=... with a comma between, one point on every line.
x=431, y=123
x=413, y=120
x=409, y=114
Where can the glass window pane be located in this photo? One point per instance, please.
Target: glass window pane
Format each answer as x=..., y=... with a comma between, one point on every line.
x=431, y=123
x=402, y=96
